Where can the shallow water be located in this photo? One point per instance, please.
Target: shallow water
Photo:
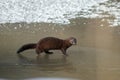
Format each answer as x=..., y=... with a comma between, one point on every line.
x=95, y=57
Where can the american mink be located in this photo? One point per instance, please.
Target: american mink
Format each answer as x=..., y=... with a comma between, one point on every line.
x=50, y=43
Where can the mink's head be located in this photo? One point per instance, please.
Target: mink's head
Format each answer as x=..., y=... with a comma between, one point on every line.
x=72, y=40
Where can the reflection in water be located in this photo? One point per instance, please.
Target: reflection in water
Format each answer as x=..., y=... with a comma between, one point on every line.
x=45, y=63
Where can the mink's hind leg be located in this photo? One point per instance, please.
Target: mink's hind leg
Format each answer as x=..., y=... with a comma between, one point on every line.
x=47, y=52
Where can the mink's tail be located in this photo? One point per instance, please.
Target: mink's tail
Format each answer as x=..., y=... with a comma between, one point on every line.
x=26, y=47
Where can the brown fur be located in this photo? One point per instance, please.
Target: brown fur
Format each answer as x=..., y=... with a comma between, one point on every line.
x=50, y=43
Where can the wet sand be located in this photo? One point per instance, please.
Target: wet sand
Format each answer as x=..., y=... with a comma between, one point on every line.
x=95, y=57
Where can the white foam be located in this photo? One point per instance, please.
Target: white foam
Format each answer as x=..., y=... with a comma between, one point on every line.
x=51, y=11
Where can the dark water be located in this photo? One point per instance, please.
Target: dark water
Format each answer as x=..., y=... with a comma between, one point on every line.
x=95, y=57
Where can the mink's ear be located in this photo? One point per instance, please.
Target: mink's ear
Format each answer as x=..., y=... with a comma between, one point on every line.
x=73, y=41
